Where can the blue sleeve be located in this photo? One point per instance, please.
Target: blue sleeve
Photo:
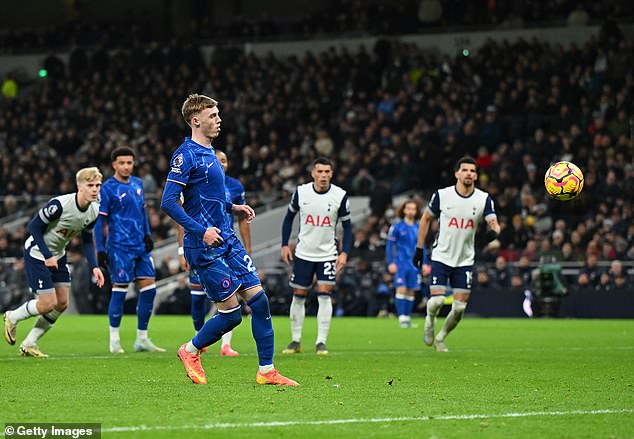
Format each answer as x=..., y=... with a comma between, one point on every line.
x=390, y=244
x=104, y=202
x=98, y=232
x=347, y=236
x=89, y=248
x=434, y=204
x=344, y=209
x=171, y=206
x=37, y=226
x=237, y=191
x=287, y=226
x=146, y=226
x=489, y=207
x=294, y=204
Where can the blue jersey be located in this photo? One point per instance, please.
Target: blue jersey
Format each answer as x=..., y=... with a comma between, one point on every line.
x=235, y=194
x=122, y=206
x=197, y=169
x=401, y=243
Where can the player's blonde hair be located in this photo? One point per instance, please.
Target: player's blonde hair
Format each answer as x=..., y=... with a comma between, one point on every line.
x=86, y=175
x=194, y=104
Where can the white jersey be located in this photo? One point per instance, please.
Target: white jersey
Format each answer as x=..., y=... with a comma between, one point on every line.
x=458, y=219
x=318, y=217
x=64, y=220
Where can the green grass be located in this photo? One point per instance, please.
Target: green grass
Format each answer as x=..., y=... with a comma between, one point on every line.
x=501, y=379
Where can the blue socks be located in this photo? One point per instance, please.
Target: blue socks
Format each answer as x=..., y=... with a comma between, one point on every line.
x=262, y=327
x=115, y=307
x=409, y=305
x=199, y=310
x=400, y=305
x=145, y=303
x=216, y=326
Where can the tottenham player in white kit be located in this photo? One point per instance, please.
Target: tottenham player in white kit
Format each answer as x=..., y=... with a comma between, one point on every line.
x=459, y=210
x=51, y=230
x=320, y=205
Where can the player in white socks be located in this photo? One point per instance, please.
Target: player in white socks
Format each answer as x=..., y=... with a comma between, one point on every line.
x=51, y=230
x=320, y=205
x=459, y=210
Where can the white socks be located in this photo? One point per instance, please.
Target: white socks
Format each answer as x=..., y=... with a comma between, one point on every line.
x=226, y=338
x=24, y=311
x=297, y=315
x=114, y=334
x=452, y=320
x=141, y=334
x=324, y=316
x=41, y=326
x=433, y=308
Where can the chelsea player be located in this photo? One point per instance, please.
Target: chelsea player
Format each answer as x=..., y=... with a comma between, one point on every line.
x=400, y=248
x=127, y=248
x=215, y=255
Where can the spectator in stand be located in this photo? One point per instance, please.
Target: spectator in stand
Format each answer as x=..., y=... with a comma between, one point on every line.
x=615, y=277
x=591, y=273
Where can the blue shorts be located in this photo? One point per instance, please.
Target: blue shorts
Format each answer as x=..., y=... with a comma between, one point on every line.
x=305, y=271
x=407, y=276
x=242, y=265
x=458, y=277
x=42, y=279
x=213, y=273
x=126, y=265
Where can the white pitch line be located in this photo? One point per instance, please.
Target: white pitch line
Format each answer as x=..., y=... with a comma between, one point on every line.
x=227, y=425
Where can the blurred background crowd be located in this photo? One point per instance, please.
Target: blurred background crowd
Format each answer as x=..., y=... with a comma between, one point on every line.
x=394, y=118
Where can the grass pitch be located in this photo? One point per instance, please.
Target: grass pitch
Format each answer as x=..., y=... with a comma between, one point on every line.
x=501, y=379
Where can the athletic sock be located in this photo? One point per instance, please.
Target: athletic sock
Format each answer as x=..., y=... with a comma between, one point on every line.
x=198, y=311
x=24, y=311
x=399, y=304
x=115, y=308
x=114, y=334
x=42, y=325
x=226, y=338
x=452, y=320
x=409, y=306
x=297, y=315
x=213, y=328
x=262, y=328
x=145, y=304
x=324, y=316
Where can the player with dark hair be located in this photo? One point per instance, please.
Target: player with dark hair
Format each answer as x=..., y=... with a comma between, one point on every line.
x=51, y=229
x=213, y=251
x=126, y=251
x=459, y=210
x=399, y=251
x=320, y=205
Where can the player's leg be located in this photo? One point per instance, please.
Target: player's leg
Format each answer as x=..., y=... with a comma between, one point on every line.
x=400, y=295
x=40, y=281
x=301, y=280
x=326, y=273
x=45, y=322
x=145, y=279
x=461, y=283
x=199, y=303
x=121, y=269
x=437, y=288
x=412, y=283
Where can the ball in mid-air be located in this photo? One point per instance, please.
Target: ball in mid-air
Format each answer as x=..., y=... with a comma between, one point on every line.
x=564, y=181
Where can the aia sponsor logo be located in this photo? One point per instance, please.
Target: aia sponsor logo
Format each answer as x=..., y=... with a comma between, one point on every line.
x=318, y=221
x=461, y=223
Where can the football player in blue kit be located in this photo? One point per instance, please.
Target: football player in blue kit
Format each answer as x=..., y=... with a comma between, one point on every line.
x=212, y=250
x=51, y=229
x=127, y=248
x=399, y=252
x=459, y=210
x=235, y=194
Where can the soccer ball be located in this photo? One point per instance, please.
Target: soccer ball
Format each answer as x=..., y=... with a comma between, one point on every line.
x=563, y=181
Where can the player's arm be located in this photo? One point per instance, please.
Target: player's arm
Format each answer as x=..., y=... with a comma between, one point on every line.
x=493, y=227
x=89, y=252
x=390, y=247
x=243, y=223
x=100, y=228
x=171, y=206
x=147, y=238
x=180, y=236
x=423, y=230
x=287, y=227
x=346, y=223
x=37, y=227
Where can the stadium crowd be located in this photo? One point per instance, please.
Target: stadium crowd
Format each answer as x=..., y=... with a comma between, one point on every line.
x=393, y=117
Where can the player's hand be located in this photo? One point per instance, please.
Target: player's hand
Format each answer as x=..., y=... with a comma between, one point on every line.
x=418, y=257
x=212, y=236
x=99, y=279
x=51, y=262
x=149, y=244
x=392, y=268
x=287, y=255
x=426, y=269
x=102, y=260
x=183, y=262
x=243, y=211
x=342, y=260
x=491, y=235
